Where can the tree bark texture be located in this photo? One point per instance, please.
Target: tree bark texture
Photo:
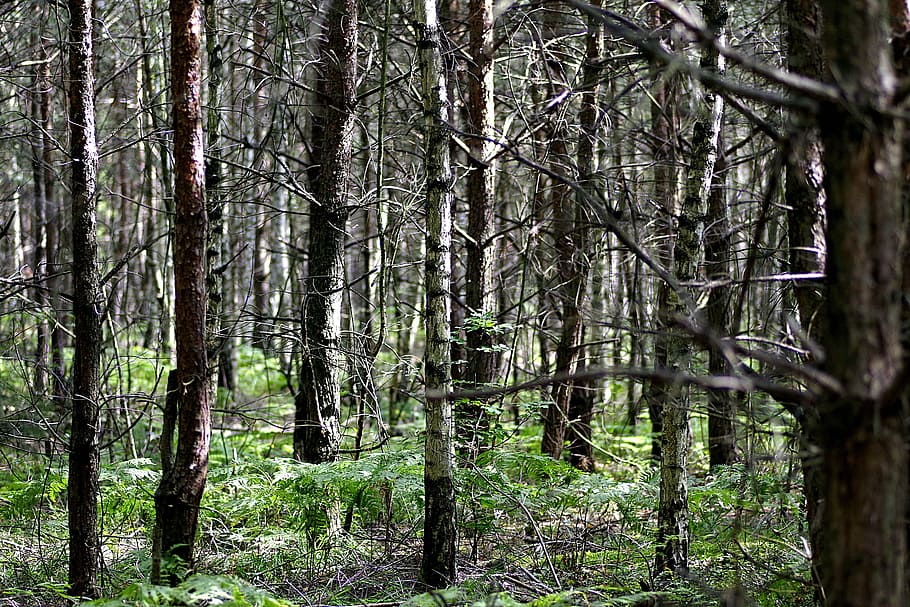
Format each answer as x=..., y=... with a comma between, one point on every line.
x=214, y=273
x=84, y=457
x=437, y=567
x=182, y=484
x=861, y=428
x=480, y=296
x=805, y=200
x=317, y=430
x=673, y=506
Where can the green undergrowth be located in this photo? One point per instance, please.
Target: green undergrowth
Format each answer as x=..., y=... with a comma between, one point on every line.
x=533, y=532
x=196, y=591
x=348, y=533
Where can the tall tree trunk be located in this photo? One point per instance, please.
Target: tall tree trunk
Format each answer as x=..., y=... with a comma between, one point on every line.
x=52, y=235
x=159, y=276
x=317, y=430
x=571, y=263
x=709, y=191
x=54, y=281
x=40, y=101
x=664, y=128
x=673, y=507
x=805, y=201
x=804, y=195
x=262, y=232
x=862, y=427
x=183, y=480
x=84, y=458
x=581, y=400
x=722, y=448
x=480, y=298
x=437, y=567
x=900, y=46
x=214, y=273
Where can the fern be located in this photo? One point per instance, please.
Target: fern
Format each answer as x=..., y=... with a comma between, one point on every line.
x=196, y=591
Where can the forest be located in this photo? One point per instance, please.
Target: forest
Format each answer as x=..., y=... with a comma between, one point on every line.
x=512, y=303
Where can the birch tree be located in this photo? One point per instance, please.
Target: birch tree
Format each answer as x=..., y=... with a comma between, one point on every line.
x=688, y=229
x=480, y=296
x=437, y=568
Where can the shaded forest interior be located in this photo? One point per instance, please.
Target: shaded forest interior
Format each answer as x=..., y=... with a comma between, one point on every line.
x=454, y=303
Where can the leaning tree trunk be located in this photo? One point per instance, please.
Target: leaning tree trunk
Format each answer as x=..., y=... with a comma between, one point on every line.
x=437, y=567
x=862, y=426
x=317, y=429
x=84, y=458
x=183, y=479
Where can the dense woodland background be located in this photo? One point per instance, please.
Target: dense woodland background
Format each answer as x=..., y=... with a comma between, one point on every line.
x=626, y=277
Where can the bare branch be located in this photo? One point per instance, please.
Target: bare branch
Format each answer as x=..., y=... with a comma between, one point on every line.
x=808, y=92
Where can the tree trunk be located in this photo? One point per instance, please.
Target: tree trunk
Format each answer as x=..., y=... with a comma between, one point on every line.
x=571, y=261
x=710, y=200
x=262, y=232
x=722, y=450
x=581, y=411
x=160, y=278
x=40, y=101
x=805, y=201
x=480, y=297
x=437, y=567
x=214, y=273
x=581, y=400
x=664, y=128
x=182, y=483
x=84, y=458
x=317, y=431
x=862, y=428
x=673, y=508
x=804, y=195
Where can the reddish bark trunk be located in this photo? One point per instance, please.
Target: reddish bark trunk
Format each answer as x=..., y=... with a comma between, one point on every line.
x=182, y=484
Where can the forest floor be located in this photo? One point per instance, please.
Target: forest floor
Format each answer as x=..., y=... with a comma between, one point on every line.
x=532, y=531
x=348, y=533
